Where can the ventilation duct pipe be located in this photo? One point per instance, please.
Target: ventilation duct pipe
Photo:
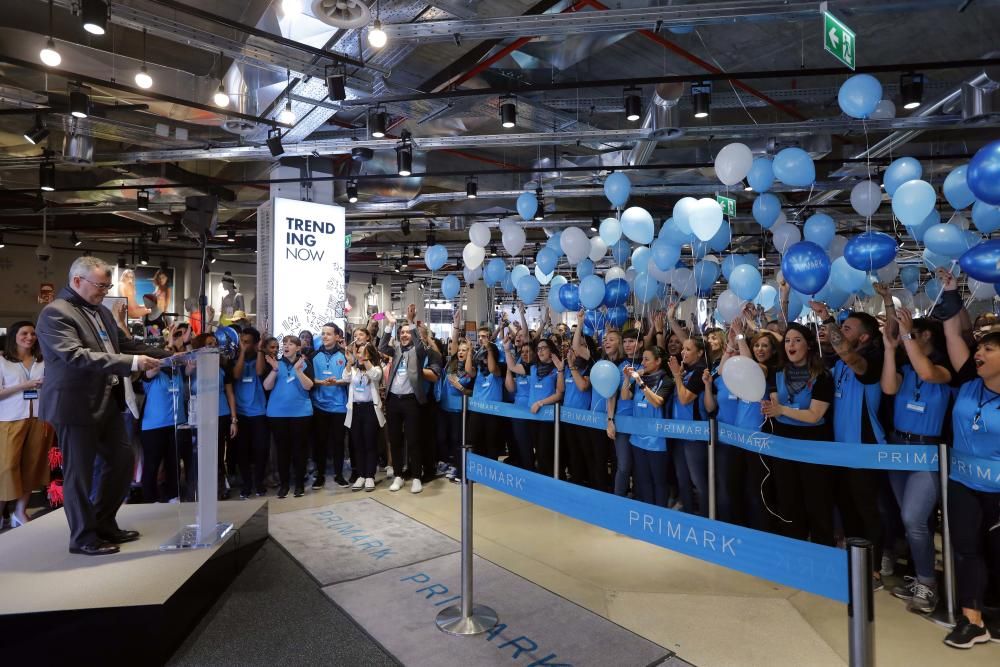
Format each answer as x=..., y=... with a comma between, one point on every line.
x=662, y=119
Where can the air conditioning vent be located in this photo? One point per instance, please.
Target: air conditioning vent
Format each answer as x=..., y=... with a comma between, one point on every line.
x=344, y=14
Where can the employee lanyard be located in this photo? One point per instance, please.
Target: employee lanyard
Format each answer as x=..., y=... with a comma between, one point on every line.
x=916, y=391
x=977, y=420
x=842, y=376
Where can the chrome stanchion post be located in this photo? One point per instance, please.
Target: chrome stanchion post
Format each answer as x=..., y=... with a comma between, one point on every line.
x=949, y=563
x=555, y=456
x=466, y=619
x=711, y=468
x=860, y=604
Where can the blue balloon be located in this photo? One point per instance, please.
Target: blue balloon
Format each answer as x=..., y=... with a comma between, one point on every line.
x=705, y=275
x=605, y=378
x=983, y=174
x=507, y=283
x=934, y=261
x=637, y=224
x=595, y=320
x=910, y=275
x=947, y=240
x=870, y=251
x=956, y=189
x=722, y=238
x=918, y=231
x=846, y=276
x=450, y=287
x=645, y=286
x=829, y=293
x=640, y=258
x=761, y=175
x=592, y=292
x=527, y=205
x=913, y=201
x=837, y=299
x=793, y=166
x=555, y=244
x=671, y=233
x=546, y=259
x=554, y=303
x=682, y=212
x=435, y=257
x=806, y=267
x=617, y=317
x=820, y=229
x=664, y=254
x=766, y=209
x=527, y=289
x=796, y=303
x=900, y=171
x=620, y=251
x=616, y=293
x=699, y=248
x=933, y=289
x=494, y=271
x=767, y=298
x=986, y=217
x=982, y=262
x=617, y=188
x=517, y=273
x=730, y=263
x=585, y=268
x=569, y=295
x=745, y=281
x=859, y=95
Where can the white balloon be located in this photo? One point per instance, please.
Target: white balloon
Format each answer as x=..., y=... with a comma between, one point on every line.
x=472, y=275
x=705, y=218
x=711, y=258
x=543, y=278
x=683, y=282
x=728, y=306
x=479, y=233
x=610, y=231
x=866, y=197
x=733, y=163
x=473, y=256
x=598, y=249
x=784, y=236
x=614, y=273
x=836, y=248
x=980, y=291
x=661, y=276
x=575, y=244
x=959, y=221
x=744, y=378
x=888, y=273
x=904, y=297
x=513, y=239
x=630, y=275
x=884, y=110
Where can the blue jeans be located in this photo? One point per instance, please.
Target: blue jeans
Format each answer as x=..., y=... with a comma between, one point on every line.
x=623, y=467
x=649, y=470
x=917, y=493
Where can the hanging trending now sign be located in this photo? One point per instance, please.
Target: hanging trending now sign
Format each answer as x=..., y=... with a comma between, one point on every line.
x=307, y=266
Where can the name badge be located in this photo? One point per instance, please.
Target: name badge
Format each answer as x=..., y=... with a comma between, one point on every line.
x=30, y=394
x=248, y=380
x=916, y=406
x=734, y=397
x=838, y=394
x=485, y=384
x=173, y=389
x=291, y=378
x=401, y=371
x=539, y=385
x=327, y=372
x=103, y=335
x=642, y=404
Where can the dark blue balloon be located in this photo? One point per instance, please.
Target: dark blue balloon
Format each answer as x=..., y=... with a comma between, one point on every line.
x=569, y=296
x=806, y=267
x=621, y=251
x=983, y=174
x=617, y=316
x=595, y=319
x=870, y=251
x=982, y=261
x=616, y=293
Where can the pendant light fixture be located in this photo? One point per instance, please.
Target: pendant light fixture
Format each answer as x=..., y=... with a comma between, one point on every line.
x=633, y=104
x=79, y=104
x=352, y=192
x=142, y=77
x=142, y=200
x=38, y=131
x=404, y=155
x=221, y=99
x=47, y=176
x=911, y=89
x=471, y=188
x=379, y=123
x=94, y=14
x=508, y=112
x=48, y=55
x=701, y=98
x=376, y=36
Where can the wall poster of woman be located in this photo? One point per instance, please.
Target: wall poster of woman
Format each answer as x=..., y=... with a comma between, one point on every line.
x=136, y=282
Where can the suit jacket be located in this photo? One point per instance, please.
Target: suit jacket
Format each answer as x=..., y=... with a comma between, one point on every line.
x=77, y=387
x=414, y=362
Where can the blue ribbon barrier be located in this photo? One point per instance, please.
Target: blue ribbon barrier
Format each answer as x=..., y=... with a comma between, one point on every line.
x=809, y=567
x=842, y=454
x=973, y=471
x=657, y=428
x=546, y=414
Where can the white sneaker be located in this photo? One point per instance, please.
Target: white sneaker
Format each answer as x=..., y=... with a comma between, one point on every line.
x=359, y=484
x=370, y=484
x=450, y=474
x=397, y=484
x=389, y=474
x=416, y=487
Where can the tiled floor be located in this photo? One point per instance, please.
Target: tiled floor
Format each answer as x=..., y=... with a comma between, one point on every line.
x=709, y=615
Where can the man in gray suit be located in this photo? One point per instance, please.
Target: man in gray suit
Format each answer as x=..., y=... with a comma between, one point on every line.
x=88, y=360
x=405, y=398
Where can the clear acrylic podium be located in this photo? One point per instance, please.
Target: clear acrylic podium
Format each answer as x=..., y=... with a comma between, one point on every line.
x=206, y=531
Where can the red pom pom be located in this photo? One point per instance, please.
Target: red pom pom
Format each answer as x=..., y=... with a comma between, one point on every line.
x=55, y=458
x=55, y=492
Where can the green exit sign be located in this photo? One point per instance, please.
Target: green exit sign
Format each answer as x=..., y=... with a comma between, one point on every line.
x=838, y=39
x=347, y=240
x=728, y=205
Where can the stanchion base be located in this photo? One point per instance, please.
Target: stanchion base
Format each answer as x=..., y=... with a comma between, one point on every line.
x=450, y=620
x=188, y=537
x=940, y=616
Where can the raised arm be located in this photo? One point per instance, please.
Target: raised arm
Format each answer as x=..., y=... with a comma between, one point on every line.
x=925, y=369
x=891, y=378
x=835, y=336
x=710, y=403
x=684, y=395
x=675, y=326
x=578, y=345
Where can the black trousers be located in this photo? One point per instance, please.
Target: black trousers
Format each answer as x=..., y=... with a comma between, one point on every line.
x=224, y=449
x=291, y=441
x=328, y=437
x=484, y=433
x=403, y=422
x=159, y=447
x=804, y=498
x=429, y=416
x=543, y=440
x=857, y=498
x=364, y=439
x=450, y=433
x=977, y=548
x=596, y=449
x=80, y=444
x=253, y=446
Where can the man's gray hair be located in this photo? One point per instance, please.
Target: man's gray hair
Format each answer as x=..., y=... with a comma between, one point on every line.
x=83, y=266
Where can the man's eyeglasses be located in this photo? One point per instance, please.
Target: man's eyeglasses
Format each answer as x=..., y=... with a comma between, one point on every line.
x=102, y=286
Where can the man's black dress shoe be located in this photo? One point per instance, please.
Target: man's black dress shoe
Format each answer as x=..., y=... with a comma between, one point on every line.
x=95, y=549
x=120, y=537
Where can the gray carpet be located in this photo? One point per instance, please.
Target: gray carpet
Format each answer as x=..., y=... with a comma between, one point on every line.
x=274, y=614
x=356, y=539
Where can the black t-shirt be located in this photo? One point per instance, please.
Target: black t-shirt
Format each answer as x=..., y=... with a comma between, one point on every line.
x=696, y=385
x=822, y=390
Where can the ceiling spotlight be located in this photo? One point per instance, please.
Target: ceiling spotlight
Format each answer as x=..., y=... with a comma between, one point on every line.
x=701, y=97
x=508, y=112
x=594, y=222
x=75, y=240
x=221, y=99
x=154, y=235
x=274, y=142
x=231, y=236
x=291, y=7
x=94, y=14
x=378, y=122
x=211, y=257
x=48, y=55
x=748, y=188
x=404, y=155
x=397, y=266
x=352, y=191
x=493, y=250
x=336, y=86
x=633, y=104
x=376, y=36
x=911, y=89
x=405, y=259
x=142, y=200
x=471, y=188
x=287, y=116
x=38, y=132
x=540, y=211
x=47, y=176
x=144, y=257
x=79, y=104
x=142, y=78
x=404, y=226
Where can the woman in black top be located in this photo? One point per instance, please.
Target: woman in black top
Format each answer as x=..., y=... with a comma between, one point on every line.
x=690, y=457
